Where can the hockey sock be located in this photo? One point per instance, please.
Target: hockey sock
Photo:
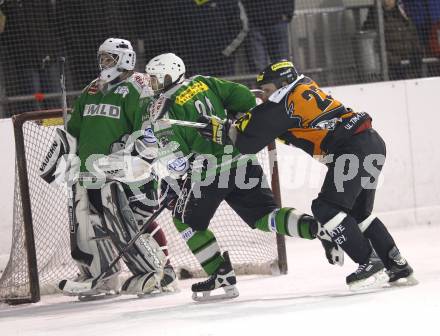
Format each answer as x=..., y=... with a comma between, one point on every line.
x=203, y=245
x=380, y=238
x=290, y=222
x=343, y=230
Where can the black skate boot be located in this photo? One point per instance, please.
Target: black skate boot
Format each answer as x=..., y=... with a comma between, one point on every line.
x=400, y=272
x=369, y=275
x=223, y=278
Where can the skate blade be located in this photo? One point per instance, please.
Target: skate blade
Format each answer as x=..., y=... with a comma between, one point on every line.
x=377, y=280
x=162, y=292
x=231, y=292
x=408, y=281
x=172, y=287
x=152, y=291
x=98, y=296
x=73, y=288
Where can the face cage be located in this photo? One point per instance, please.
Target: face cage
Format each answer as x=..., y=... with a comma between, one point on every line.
x=156, y=85
x=159, y=87
x=103, y=57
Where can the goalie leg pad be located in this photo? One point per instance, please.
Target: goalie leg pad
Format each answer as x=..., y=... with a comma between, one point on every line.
x=91, y=237
x=141, y=284
x=92, y=249
x=146, y=256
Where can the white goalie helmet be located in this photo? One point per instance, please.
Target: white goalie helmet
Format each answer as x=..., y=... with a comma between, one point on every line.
x=115, y=56
x=165, y=70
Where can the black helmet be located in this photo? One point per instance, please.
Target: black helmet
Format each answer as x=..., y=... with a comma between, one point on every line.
x=277, y=73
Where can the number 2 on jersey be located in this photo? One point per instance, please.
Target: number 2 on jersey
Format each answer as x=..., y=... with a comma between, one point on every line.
x=322, y=102
x=204, y=109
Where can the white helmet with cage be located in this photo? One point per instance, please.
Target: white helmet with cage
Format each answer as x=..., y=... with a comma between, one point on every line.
x=115, y=56
x=165, y=70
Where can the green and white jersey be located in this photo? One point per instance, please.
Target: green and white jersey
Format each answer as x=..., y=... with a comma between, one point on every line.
x=200, y=95
x=102, y=117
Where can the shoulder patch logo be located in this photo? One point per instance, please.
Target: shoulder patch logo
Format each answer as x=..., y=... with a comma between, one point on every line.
x=149, y=137
x=139, y=79
x=122, y=90
x=178, y=165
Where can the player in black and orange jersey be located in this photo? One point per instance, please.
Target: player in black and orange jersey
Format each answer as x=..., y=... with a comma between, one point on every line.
x=301, y=114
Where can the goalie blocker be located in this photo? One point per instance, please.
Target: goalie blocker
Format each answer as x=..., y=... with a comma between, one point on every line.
x=59, y=158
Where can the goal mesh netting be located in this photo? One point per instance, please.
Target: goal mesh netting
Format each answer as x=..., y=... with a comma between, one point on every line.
x=251, y=251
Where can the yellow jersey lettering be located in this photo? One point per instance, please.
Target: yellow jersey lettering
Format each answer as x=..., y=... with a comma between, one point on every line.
x=190, y=92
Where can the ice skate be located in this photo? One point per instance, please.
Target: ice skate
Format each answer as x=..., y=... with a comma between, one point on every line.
x=223, y=278
x=369, y=275
x=107, y=289
x=400, y=272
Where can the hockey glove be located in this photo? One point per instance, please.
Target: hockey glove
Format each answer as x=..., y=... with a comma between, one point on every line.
x=216, y=129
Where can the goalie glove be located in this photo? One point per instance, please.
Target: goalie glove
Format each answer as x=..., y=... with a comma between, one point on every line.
x=216, y=130
x=60, y=163
x=123, y=167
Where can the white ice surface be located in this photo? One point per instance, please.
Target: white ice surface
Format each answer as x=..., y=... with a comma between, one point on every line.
x=311, y=300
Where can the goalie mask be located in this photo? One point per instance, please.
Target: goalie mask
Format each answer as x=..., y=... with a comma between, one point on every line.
x=165, y=70
x=279, y=73
x=115, y=57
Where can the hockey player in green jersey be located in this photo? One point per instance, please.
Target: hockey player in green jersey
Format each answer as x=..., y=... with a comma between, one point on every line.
x=103, y=117
x=212, y=173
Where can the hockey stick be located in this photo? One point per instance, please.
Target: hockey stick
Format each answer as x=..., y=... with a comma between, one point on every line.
x=183, y=123
x=165, y=103
x=74, y=287
x=62, y=61
x=70, y=187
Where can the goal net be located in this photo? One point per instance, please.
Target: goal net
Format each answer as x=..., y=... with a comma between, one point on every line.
x=40, y=252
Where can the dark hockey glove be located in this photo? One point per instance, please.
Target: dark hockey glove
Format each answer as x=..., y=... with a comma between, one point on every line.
x=216, y=129
x=169, y=191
